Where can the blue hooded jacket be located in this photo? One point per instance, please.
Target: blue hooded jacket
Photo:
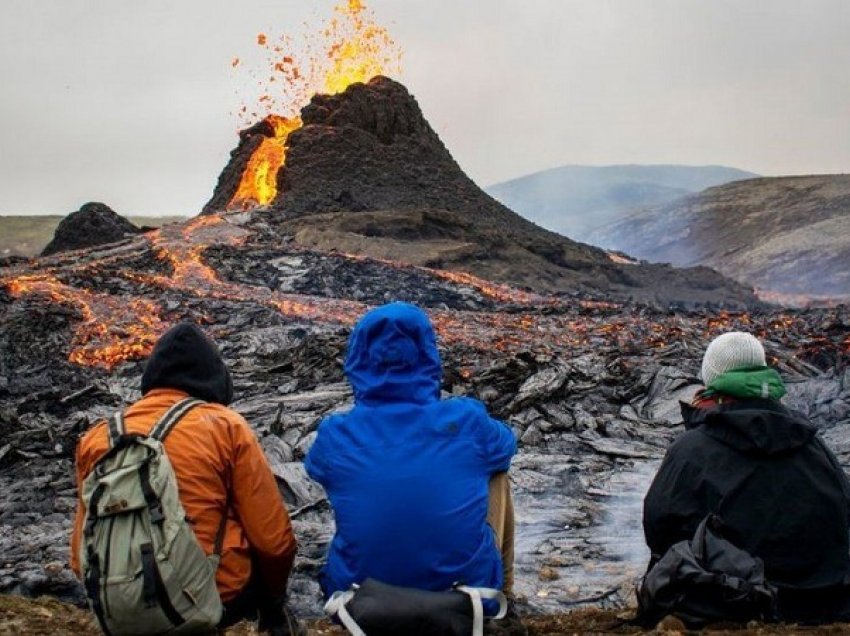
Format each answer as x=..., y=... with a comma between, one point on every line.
x=407, y=473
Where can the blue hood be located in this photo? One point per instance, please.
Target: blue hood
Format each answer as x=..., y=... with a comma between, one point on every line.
x=393, y=356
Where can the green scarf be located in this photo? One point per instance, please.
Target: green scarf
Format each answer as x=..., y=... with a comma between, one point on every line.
x=755, y=382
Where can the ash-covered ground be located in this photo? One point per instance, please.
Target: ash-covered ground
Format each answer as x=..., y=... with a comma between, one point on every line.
x=591, y=387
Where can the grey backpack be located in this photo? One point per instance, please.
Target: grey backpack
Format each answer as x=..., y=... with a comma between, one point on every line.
x=143, y=569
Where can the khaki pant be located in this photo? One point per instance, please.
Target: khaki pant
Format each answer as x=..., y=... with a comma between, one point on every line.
x=500, y=516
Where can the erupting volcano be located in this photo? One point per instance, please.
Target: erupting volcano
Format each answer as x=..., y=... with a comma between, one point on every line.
x=361, y=174
x=351, y=48
x=342, y=197
x=358, y=169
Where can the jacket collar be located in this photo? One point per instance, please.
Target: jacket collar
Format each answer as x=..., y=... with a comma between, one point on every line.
x=757, y=427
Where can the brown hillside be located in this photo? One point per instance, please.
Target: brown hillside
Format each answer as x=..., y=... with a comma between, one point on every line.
x=783, y=235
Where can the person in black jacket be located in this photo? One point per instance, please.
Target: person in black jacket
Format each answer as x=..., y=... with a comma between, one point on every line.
x=780, y=492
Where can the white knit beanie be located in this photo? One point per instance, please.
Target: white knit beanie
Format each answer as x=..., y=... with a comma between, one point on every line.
x=729, y=352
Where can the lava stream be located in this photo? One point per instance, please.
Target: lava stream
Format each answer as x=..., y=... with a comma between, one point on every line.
x=111, y=329
x=116, y=328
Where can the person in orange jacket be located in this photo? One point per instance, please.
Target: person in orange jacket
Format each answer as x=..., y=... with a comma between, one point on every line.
x=220, y=469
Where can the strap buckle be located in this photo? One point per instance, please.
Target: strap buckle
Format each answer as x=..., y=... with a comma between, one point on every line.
x=157, y=516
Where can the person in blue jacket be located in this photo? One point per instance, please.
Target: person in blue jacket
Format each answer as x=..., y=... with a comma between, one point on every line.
x=409, y=475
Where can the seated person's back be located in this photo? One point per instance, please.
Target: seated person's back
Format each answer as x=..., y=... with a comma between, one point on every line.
x=778, y=489
x=220, y=469
x=406, y=473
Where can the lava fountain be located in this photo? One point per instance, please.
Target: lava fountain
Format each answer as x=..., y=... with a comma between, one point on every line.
x=351, y=48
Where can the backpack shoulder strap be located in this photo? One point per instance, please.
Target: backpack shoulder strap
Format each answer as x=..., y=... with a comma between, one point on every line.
x=698, y=541
x=171, y=417
x=115, y=428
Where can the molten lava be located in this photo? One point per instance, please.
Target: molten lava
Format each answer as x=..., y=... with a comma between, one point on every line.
x=258, y=185
x=358, y=48
x=111, y=329
x=495, y=291
x=115, y=328
x=183, y=247
x=353, y=48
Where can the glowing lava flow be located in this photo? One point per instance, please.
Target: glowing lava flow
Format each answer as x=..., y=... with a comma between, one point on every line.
x=353, y=49
x=115, y=328
x=495, y=291
x=258, y=185
x=111, y=330
x=183, y=246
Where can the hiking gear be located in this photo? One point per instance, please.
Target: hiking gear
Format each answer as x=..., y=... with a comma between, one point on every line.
x=143, y=569
x=185, y=358
x=706, y=580
x=392, y=357
x=781, y=493
x=758, y=383
x=406, y=473
x=378, y=609
x=214, y=454
x=730, y=352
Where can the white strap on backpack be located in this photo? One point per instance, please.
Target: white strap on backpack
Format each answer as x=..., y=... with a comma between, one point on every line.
x=476, y=594
x=336, y=606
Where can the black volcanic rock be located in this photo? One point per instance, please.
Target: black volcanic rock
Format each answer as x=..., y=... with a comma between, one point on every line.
x=370, y=148
x=590, y=389
x=93, y=224
x=367, y=174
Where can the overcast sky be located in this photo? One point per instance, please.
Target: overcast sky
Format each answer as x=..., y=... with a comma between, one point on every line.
x=129, y=102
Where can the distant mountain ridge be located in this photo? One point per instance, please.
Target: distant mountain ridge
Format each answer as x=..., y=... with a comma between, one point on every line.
x=784, y=235
x=575, y=200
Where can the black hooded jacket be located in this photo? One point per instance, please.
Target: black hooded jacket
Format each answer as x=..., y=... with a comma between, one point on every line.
x=184, y=358
x=778, y=489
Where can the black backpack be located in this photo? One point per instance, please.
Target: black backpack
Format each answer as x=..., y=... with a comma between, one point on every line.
x=374, y=608
x=706, y=580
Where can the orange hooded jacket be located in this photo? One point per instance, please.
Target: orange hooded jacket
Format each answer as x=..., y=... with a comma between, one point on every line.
x=213, y=451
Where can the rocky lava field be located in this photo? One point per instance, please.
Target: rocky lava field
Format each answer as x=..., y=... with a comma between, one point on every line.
x=590, y=385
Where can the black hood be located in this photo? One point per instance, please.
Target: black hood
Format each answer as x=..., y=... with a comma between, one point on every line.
x=185, y=358
x=756, y=427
